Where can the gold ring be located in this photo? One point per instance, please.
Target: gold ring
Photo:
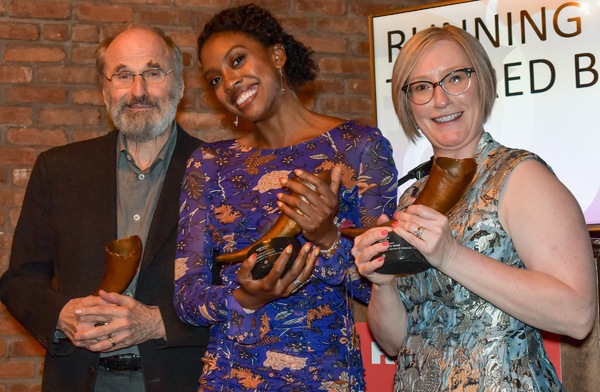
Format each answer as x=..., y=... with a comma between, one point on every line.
x=110, y=339
x=419, y=232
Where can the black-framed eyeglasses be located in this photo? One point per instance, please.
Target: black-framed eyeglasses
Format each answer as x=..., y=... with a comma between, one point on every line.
x=151, y=76
x=456, y=82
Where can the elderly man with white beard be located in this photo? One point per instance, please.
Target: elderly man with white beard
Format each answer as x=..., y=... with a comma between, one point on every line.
x=86, y=194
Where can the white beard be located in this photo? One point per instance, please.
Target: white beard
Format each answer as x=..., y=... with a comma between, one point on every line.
x=146, y=126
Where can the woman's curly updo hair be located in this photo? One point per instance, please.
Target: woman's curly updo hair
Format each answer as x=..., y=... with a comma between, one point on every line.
x=261, y=25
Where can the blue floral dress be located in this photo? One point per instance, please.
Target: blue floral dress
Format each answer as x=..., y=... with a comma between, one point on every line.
x=456, y=340
x=305, y=342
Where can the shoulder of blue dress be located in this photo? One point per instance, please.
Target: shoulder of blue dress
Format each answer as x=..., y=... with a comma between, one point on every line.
x=218, y=145
x=359, y=127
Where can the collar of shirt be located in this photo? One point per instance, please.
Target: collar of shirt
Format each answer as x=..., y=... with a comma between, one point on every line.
x=163, y=156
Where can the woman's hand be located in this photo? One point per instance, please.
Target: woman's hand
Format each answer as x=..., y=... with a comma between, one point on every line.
x=313, y=207
x=386, y=314
x=428, y=231
x=254, y=294
x=366, y=247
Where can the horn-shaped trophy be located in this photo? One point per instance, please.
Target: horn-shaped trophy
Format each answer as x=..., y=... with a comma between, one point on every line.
x=122, y=260
x=447, y=182
x=271, y=244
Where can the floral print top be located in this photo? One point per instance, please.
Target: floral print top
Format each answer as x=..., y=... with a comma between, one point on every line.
x=456, y=340
x=305, y=341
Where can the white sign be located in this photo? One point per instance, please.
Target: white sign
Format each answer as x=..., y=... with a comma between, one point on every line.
x=546, y=58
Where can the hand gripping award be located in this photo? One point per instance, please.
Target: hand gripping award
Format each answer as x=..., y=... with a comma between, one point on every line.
x=448, y=180
x=270, y=245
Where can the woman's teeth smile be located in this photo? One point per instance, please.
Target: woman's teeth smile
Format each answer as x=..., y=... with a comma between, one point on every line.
x=447, y=118
x=243, y=97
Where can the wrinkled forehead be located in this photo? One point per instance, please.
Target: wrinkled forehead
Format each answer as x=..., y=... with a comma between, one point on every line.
x=136, y=50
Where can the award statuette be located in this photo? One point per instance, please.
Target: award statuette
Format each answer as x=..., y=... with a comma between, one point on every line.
x=268, y=252
x=122, y=261
x=269, y=246
x=447, y=182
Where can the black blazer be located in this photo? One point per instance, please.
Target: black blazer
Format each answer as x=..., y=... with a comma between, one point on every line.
x=68, y=214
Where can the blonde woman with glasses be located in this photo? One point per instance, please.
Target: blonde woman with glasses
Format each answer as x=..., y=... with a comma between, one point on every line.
x=513, y=256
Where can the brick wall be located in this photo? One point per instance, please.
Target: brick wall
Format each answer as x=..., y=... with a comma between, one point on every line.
x=48, y=95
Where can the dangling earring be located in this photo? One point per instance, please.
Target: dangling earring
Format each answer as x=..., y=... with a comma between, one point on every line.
x=281, y=81
x=237, y=120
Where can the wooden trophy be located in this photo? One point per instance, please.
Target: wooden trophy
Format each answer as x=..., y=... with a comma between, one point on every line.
x=122, y=261
x=447, y=182
x=270, y=245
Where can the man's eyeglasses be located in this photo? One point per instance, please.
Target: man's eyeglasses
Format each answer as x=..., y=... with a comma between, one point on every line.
x=152, y=77
x=456, y=82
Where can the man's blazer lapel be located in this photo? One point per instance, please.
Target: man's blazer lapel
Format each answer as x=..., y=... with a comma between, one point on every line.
x=102, y=193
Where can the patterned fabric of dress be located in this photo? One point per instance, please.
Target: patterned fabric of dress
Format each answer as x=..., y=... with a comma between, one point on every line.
x=305, y=342
x=456, y=340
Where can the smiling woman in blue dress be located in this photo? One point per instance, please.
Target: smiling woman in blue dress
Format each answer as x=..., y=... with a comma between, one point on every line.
x=281, y=333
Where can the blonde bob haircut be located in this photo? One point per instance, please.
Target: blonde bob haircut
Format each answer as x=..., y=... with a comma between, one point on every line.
x=411, y=54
